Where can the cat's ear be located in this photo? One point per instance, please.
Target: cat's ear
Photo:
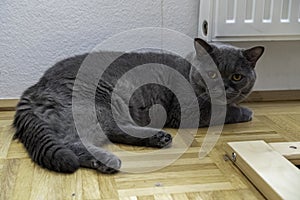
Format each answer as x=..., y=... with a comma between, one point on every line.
x=254, y=53
x=202, y=47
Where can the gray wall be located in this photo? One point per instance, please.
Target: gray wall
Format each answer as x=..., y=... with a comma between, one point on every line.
x=35, y=34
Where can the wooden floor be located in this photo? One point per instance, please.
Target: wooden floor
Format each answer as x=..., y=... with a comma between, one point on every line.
x=187, y=178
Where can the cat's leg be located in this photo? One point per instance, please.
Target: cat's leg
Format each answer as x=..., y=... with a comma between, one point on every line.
x=130, y=134
x=237, y=114
x=96, y=158
x=140, y=136
x=133, y=135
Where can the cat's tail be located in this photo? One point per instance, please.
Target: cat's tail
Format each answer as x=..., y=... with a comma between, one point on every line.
x=42, y=143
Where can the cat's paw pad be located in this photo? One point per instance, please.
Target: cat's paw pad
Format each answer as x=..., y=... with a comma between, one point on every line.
x=160, y=140
x=111, y=166
x=247, y=114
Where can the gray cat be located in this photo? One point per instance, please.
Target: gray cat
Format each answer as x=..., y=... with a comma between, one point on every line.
x=44, y=120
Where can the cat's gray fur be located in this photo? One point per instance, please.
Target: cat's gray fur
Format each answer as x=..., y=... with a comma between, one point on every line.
x=44, y=122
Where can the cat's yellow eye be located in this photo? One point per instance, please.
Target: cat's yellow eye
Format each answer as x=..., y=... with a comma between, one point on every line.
x=212, y=74
x=237, y=77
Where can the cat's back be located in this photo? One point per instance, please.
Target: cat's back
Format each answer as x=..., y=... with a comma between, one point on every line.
x=117, y=63
x=66, y=68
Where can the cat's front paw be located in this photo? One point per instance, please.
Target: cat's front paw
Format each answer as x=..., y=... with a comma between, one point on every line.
x=246, y=114
x=160, y=140
x=237, y=114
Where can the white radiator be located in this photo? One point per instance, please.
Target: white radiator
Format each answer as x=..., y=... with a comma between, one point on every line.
x=244, y=20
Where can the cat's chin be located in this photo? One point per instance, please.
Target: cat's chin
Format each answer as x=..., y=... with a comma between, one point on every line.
x=221, y=102
x=218, y=99
x=236, y=100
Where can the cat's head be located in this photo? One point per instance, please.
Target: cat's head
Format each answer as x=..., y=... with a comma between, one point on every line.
x=219, y=62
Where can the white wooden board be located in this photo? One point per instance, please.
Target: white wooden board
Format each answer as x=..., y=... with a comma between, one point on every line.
x=267, y=169
x=290, y=150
